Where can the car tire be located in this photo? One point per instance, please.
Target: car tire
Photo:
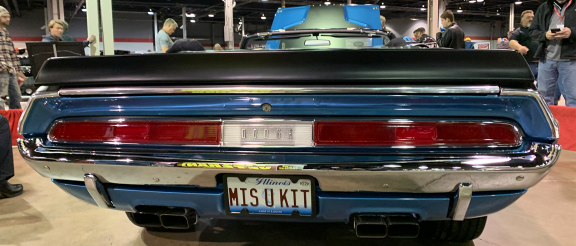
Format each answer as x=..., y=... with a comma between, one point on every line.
x=455, y=231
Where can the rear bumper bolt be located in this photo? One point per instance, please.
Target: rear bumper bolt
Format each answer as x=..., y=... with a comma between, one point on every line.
x=520, y=178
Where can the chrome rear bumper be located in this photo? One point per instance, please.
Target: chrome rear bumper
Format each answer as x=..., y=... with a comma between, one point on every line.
x=435, y=174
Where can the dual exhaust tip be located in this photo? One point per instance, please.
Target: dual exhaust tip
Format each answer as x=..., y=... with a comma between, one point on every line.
x=164, y=217
x=381, y=226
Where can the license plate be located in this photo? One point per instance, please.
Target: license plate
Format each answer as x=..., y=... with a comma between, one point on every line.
x=269, y=195
x=270, y=133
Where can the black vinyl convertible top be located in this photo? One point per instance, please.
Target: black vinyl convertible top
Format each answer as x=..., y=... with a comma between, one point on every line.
x=294, y=67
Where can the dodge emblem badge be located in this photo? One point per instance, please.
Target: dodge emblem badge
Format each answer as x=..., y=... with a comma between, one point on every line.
x=266, y=107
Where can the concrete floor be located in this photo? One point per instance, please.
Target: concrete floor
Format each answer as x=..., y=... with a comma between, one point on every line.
x=45, y=215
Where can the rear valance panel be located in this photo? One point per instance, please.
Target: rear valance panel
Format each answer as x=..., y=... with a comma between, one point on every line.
x=305, y=67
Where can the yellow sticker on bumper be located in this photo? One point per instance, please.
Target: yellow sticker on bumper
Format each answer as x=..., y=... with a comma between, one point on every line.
x=242, y=166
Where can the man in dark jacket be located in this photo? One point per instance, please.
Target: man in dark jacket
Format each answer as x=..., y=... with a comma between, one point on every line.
x=554, y=28
x=453, y=37
x=422, y=37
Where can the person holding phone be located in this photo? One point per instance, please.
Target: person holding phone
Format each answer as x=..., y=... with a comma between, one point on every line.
x=554, y=28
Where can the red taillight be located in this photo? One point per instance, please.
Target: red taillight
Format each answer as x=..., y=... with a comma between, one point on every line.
x=138, y=131
x=414, y=133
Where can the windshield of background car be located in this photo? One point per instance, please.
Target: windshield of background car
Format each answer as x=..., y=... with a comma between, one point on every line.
x=320, y=27
x=315, y=40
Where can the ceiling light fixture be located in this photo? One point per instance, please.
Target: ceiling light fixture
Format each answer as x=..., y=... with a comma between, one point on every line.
x=263, y=17
x=191, y=15
x=84, y=9
x=472, y=1
x=423, y=8
x=211, y=15
x=327, y=2
x=459, y=10
x=150, y=12
x=413, y=19
x=193, y=21
x=518, y=2
x=480, y=1
x=382, y=6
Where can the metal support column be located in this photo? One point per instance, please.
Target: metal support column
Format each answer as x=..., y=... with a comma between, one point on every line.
x=348, y=1
x=107, y=27
x=511, y=20
x=243, y=25
x=46, y=20
x=433, y=17
x=155, y=31
x=283, y=5
x=93, y=26
x=61, y=15
x=184, y=22
x=54, y=14
x=435, y=9
x=229, y=23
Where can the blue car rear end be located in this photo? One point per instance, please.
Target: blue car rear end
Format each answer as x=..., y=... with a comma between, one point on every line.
x=370, y=137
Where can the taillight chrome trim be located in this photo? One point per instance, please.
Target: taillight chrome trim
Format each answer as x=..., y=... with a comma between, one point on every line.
x=304, y=120
x=516, y=130
x=124, y=119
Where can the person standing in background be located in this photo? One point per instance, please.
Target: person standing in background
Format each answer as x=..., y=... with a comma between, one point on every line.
x=453, y=36
x=163, y=40
x=554, y=28
x=58, y=29
x=389, y=33
x=11, y=77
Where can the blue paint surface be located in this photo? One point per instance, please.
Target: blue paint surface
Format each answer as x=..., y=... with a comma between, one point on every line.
x=367, y=16
x=289, y=17
x=523, y=110
x=332, y=206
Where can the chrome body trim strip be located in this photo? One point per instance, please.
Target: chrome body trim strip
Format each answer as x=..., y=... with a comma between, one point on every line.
x=97, y=191
x=463, y=201
x=545, y=109
x=426, y=176
x=40, y=93
x=109, y=91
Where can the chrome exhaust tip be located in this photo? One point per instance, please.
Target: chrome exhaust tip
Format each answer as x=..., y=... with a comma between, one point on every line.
x=403, y=226
x=370, y=226
x=163, y=217
x=145, y=220
x=179, y=218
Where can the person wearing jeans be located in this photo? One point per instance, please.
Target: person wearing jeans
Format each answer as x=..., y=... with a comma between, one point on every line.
x=14, y=94
x=9, y=65
x=554, y=27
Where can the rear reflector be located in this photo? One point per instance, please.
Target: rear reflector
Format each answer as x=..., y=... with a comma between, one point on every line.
x=414, y=133
x=138, y=131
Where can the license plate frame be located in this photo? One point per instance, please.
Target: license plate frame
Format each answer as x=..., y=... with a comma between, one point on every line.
x=293, y=178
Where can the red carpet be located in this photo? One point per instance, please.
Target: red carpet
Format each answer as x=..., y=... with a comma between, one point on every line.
x=13, y=115
x=566, y=117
